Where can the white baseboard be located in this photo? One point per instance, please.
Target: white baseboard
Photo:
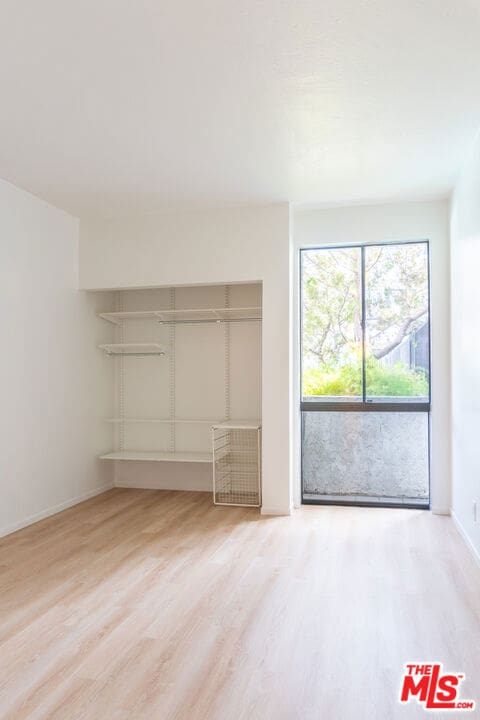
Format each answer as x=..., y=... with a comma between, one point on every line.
x=466, y=538
x=276, y=511
x=440, y=511
x=54, y=510
x=149, y=484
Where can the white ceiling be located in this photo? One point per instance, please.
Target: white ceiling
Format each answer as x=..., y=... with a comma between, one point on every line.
x=126, y=105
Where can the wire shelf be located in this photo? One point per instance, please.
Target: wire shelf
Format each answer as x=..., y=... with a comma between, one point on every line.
x=193, y=315
x=134, y=349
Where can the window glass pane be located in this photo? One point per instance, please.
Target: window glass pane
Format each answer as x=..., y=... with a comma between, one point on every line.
x=365, y=456
x=396, y=323
x=332, y=325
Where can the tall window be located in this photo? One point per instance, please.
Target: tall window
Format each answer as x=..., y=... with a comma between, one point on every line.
x=365, y=325
x=366, y=375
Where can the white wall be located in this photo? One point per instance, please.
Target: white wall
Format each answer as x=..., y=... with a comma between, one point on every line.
x=53, y=391
x=465, y=254
x=393, y=222
x=213, y=247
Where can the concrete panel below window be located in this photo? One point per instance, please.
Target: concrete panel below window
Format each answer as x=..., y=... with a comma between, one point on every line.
x=366, y=457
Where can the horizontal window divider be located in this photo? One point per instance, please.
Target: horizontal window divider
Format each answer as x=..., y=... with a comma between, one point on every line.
x=329, y=406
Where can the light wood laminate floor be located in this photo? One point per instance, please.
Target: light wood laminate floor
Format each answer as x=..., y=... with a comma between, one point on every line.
x=153, y=605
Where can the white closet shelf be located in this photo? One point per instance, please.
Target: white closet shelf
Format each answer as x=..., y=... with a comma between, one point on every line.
x=194, y=315
x=163, y=420
x=232, y=424
x=134, y=349
x=195, y=457
x=239, y=424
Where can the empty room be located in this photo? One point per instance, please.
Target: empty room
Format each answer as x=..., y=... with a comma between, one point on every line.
x=239, y=281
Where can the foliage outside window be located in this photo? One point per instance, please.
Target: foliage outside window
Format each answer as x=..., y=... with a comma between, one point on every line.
x=366, y=321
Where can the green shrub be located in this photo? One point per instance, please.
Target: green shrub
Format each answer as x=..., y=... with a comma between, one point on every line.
x=391, y=381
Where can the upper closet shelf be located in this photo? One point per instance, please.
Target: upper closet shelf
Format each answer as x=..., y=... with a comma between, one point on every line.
x=136, y=349
x=203, y=315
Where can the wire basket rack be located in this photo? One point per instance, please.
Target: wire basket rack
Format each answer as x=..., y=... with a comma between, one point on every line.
x=237, y=464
